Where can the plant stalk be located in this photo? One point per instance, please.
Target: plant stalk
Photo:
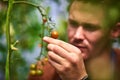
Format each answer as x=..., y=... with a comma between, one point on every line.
x=7, y=67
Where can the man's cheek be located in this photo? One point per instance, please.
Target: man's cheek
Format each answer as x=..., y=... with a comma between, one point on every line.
x=70, y=34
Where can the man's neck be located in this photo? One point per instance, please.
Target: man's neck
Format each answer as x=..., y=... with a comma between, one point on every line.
x=100, y=67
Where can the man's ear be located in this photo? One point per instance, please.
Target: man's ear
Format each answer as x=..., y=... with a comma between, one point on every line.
x=116, y=31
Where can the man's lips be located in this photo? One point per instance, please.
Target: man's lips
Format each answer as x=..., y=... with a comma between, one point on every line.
x=81, y=47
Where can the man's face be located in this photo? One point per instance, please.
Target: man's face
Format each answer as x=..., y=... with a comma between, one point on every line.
x=86, y=29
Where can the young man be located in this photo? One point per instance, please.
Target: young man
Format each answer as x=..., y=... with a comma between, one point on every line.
x=92, y=26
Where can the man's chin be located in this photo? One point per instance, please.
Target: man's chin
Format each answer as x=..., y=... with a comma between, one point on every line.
x=84, y=56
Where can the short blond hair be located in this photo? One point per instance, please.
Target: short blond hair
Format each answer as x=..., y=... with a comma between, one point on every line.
x=110, y=7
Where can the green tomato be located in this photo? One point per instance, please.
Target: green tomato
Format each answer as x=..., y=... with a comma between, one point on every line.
x=33, y=66
x=39, y=72
x=33, y=72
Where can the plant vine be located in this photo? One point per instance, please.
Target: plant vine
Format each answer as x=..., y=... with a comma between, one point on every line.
x=12, y=47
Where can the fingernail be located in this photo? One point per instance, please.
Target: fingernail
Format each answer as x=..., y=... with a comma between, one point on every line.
x=45, y=38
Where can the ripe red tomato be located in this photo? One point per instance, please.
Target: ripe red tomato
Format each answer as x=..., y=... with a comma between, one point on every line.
x=54, y=34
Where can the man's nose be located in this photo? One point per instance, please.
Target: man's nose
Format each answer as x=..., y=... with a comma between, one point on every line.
x=79, y=34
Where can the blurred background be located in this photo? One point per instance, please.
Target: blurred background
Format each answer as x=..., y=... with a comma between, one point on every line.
x=25, y=26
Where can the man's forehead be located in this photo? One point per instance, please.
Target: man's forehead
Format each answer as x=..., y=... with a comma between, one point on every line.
x=87, y=9
x=108, y=12
x=86, y=6
x=86, y=12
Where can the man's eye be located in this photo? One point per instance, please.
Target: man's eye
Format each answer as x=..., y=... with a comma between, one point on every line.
x=73, y=24
x=90, y=27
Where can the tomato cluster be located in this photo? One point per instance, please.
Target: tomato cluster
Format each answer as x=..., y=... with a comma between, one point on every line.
x=34, y=71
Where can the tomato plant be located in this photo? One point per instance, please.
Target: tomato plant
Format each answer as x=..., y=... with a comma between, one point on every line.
x=46, y=30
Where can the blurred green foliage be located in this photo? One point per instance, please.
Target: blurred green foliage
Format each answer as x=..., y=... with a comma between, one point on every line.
x=25, y=25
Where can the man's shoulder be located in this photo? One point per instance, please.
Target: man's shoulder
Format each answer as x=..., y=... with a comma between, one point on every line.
x=117, y=61
x=117, y=54
x=117, y=51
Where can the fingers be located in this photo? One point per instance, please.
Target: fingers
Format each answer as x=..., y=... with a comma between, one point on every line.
x=60, y=52
x=66, y=46
x=59, y=63
x=55, y=57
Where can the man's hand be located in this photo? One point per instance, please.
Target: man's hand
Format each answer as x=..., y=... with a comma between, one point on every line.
x=66, y=59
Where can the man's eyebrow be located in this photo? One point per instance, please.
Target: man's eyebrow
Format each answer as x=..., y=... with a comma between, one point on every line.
x=91, y=24
x=73, y=21
x=86, y=23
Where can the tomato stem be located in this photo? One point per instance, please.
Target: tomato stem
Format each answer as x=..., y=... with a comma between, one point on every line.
x=25, y=2
x=40, y=9
x=31, y=4
x=9, y=52
x=7, y=68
